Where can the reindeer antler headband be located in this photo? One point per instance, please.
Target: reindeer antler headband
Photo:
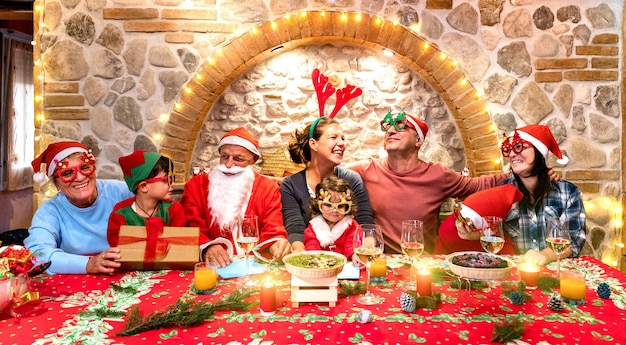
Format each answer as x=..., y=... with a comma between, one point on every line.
x=324, y=90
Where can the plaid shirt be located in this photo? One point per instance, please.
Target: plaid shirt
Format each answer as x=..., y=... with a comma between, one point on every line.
x=526, y=227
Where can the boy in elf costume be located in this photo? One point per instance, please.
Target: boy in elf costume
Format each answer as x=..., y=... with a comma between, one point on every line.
x=149, y=176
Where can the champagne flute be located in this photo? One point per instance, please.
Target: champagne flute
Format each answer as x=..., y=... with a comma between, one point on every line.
x=492, y=235
x=412, y=244
x=368, y=245
x=247, y=239
x=557, y=238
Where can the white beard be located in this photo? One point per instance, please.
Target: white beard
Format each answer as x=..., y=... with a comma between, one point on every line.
x=229, y=196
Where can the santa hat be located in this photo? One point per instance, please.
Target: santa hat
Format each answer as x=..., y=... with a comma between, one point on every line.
x=541, y=137
x=137, y=166
x=496, y=201
x=54, y=154
x=420, y=126
x=241, y=137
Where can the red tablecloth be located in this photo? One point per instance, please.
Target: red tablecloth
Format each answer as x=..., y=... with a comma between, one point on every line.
x=55, y=319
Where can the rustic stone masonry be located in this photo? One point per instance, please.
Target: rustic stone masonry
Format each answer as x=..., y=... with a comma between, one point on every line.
x=110, y=71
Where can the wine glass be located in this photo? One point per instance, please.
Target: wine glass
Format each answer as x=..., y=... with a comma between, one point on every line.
x=368, y=245
x=557, y=238
x=412, y=244
x=492, y=235
x=247, y=238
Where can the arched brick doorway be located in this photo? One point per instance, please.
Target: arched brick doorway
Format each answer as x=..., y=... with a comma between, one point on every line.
x=297, y=29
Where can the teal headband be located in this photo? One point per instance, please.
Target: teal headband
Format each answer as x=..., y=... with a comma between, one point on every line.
x=313, y=126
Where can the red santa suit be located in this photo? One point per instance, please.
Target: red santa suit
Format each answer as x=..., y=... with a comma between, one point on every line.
x=319, y=236
x=264, y=202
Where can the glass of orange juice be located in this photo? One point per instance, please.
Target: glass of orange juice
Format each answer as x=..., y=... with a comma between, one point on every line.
x=378, y=270
x=204, y=278
x=573, y=287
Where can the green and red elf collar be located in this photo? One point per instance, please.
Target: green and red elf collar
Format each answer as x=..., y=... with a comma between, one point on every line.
x=324, y=90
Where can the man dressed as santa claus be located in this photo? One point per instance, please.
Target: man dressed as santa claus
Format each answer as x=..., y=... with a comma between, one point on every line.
x=216, y=202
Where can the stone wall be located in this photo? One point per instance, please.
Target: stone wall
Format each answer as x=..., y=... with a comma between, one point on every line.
x=121, y=75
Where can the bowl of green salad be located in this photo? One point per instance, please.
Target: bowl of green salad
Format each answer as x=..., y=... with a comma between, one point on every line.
x=314, y=264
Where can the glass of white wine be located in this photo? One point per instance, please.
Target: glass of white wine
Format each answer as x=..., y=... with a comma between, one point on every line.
x=247, y=239
x=412, y=244
x=492, y=235
x=557, y=238
x=368, y=245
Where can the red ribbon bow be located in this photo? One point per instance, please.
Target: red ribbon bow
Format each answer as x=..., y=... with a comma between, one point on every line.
x=156, y=247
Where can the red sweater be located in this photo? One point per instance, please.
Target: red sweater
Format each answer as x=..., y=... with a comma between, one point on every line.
x=417, y=194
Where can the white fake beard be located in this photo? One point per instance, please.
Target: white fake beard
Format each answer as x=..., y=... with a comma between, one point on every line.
x=229, y=195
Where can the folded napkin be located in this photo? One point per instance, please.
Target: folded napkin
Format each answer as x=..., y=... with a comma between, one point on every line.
x=238, y=269
x=350, y=271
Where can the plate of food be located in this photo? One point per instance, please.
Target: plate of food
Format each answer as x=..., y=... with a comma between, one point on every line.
x=314, y=264
x=479, y=265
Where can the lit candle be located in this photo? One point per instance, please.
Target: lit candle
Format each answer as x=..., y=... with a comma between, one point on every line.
x=529, y=273
x=268, y=298
x=424, y=282
x=573, y=287
x=204, y=277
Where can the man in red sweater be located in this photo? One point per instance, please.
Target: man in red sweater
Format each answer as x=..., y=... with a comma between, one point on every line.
x=401, y=186
x=216, y=202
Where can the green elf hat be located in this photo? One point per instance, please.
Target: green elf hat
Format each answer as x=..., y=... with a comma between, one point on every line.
x=137, y=166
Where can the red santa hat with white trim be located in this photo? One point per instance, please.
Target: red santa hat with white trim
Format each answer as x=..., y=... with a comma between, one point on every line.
x=541, y=137
x=54, y=154
x=496, y=201
x=420, y=126
x=241, y=137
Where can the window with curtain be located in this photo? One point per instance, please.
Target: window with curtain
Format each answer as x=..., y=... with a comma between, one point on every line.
x=17, y=111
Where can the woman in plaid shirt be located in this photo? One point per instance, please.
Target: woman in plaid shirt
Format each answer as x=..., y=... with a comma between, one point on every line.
x=526, y=151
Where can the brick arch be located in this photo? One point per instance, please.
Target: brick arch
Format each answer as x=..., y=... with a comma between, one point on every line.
x=226, y=64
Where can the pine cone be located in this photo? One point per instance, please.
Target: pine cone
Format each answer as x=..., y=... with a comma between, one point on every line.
x=408, y=302
x=604, y=290
x=516, y=298
x=555, y=303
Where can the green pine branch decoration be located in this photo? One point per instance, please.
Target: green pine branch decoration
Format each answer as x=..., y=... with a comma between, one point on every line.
x=507, y=330
x=184, y=313
x=520, y=286
x=426, y=302
x=123, y=289
x=546, y=284
x=101, y=313
x=350, y=289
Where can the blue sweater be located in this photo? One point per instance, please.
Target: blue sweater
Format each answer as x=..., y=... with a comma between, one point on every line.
x=65, y=234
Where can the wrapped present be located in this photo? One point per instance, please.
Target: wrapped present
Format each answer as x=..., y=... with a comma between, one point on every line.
x=17, y=258
x=158, y=247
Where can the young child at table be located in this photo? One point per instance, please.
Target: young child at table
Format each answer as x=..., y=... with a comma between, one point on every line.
x=332, y=225
x=149, y=176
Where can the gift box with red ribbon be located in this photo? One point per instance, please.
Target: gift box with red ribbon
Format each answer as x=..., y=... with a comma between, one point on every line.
x=158, y=247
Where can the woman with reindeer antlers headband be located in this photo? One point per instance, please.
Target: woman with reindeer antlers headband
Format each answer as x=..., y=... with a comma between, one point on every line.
x=320, y=146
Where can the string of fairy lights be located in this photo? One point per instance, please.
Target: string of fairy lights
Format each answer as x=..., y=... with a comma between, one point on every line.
x=611, y=255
